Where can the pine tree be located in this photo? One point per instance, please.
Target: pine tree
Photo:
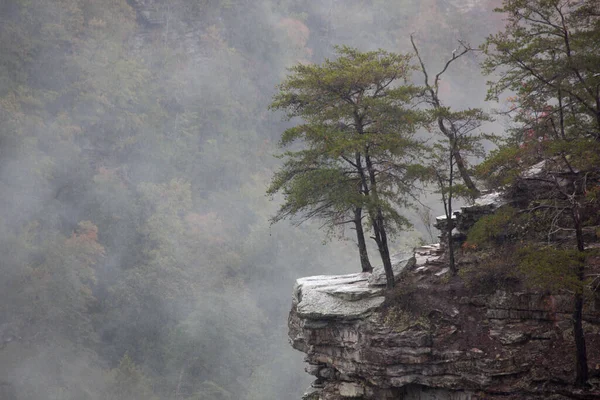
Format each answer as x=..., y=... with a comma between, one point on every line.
x=359, y=153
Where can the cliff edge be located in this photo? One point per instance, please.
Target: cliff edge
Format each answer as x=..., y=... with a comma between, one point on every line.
x=434, y=337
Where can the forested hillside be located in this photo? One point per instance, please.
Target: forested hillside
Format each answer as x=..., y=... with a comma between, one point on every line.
x=137, y=258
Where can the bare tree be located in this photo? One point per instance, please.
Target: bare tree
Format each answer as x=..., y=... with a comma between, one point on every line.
x=458, y=139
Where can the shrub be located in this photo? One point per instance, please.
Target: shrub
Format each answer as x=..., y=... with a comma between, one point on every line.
x=551, y=269
x=490, y=229
x=492, y=270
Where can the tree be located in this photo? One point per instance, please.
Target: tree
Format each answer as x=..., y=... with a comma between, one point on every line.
x=548, y=56
x=455, y=127
x=128, y=382
x=359, y=152
x=457, y=140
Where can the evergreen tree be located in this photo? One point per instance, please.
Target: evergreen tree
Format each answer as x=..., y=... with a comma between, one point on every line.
x=359, y=152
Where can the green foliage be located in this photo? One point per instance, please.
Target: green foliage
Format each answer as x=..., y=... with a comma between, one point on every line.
x=355, y=111
x=544, y=56
x=399, y=320
x=132, y=176
x=320, y=93
x=552, y=269
x=501, y=166
x=357, y=147
x=537, y=43
x=127, y=382
x=492, y=229
x=212, y=331
x=491, y=269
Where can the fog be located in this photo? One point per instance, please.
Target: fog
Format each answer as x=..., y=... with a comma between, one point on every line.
x=138, y=260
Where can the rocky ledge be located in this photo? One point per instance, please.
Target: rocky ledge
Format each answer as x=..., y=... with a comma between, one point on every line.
x=437, y=342
x=433, y=338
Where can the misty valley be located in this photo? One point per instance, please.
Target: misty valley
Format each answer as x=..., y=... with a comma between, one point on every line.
x=310, y=199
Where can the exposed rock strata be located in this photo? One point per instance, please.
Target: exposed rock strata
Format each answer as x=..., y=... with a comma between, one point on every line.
x=465, y=217
x=437, y=340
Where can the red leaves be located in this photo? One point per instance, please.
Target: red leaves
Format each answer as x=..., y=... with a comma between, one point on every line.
x=84, y=244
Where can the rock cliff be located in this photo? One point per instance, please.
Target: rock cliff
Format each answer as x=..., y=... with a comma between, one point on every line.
x=433, y=337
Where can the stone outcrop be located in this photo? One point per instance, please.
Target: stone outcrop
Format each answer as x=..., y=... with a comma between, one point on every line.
x=437, y=341
x=464, y=218
x=434, y=338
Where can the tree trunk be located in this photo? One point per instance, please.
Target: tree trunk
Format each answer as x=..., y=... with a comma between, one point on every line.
x=581, y=367
x=464, y=174
x=460, y=163
x=449, y=221
x=382, y=246
x=385, y=257
x=449, y=229
x=451, y=261
x=379, y=226
x=362, y=244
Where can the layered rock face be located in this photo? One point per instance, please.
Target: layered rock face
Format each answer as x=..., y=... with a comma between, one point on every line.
x=435, y=339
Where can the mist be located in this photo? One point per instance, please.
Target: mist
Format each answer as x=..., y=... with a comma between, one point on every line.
x=136, y=145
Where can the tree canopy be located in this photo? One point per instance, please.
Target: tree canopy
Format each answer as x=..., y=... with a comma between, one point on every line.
x=358, y=151
x=548, y=57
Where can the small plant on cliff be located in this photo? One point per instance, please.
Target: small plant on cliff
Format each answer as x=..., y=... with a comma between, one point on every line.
x=491, y=248
x=400, y=320
x=357, y=157
x=551, y=269
x=491, y=229
x=492, y=269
